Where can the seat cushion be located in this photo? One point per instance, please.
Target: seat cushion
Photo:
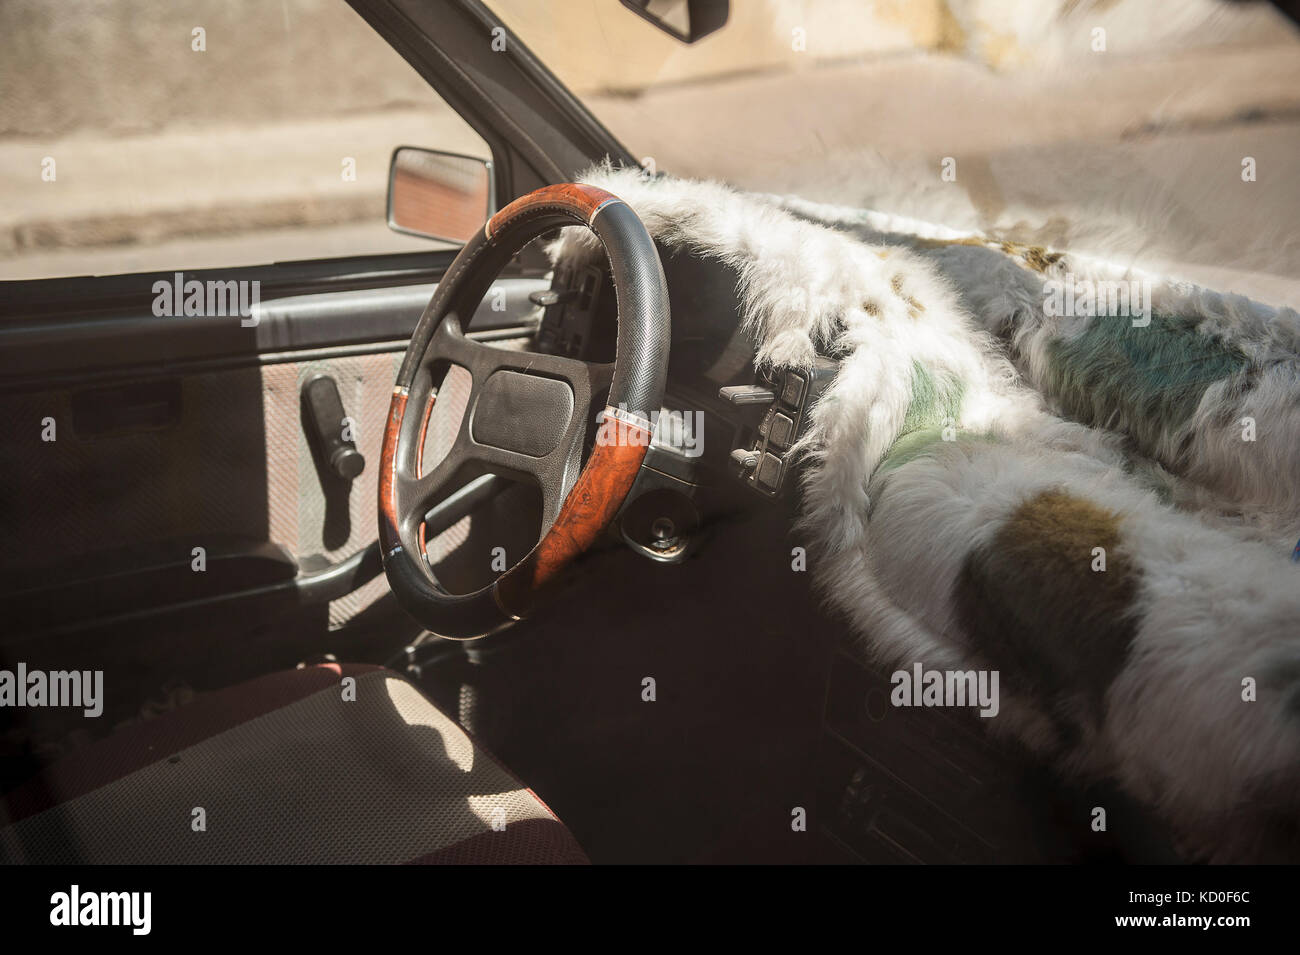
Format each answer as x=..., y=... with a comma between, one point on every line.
x=296, y=767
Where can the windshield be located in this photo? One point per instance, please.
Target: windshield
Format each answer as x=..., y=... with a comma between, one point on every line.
x=1160, y=133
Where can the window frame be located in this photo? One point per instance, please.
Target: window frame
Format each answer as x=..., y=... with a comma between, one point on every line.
x=549, y=139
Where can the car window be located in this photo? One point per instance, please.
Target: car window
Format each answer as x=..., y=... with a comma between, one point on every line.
x=1158, y=132
x=201, y=134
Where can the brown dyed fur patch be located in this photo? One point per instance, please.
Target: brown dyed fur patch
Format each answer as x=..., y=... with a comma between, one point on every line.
x=1033, y=606
x=915, y=308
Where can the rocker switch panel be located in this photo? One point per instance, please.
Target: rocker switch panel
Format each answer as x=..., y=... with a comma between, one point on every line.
x=761, y=455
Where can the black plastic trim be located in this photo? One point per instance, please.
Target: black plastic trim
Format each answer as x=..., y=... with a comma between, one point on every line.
x=83, y=296
x=39, y=353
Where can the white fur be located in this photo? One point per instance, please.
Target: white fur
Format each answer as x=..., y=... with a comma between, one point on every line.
x=1255, y=484
x=1215, y=610
x=1215, y=606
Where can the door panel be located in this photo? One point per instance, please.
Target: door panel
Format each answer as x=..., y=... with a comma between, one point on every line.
x=148, y=463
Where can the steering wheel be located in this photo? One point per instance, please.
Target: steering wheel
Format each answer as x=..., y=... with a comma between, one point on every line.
x=528, y=414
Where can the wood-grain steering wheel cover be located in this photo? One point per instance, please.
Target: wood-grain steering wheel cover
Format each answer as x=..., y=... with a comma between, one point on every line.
x=641, y=364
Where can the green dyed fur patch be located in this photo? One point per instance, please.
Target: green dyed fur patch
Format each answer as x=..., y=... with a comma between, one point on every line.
x=936, y=404
x=1147, y=381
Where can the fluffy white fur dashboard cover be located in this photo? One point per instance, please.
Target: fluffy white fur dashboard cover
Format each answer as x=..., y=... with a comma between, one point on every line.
x=1101, y=507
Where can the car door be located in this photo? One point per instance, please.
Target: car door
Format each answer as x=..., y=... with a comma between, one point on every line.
x=195, y=263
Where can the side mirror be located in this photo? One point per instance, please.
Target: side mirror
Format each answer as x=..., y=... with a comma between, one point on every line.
x=685, y=20
x=438, y=195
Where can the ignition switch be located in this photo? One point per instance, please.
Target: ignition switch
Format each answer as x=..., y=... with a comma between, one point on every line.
x=660, y=524
x=663, y=533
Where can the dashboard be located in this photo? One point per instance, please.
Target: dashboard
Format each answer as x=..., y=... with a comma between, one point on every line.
x=726, y=433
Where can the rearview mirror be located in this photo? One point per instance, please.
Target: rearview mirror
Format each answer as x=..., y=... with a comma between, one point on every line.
x=438, y=195
x=685, y=20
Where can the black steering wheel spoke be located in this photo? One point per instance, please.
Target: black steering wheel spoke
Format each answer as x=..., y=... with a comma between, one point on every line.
x=418, y=494
x=526, y=417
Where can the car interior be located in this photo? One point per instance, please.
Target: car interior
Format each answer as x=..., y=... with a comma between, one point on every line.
x=493, y=546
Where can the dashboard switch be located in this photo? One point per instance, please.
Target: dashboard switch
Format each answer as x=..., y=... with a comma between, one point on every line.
x=781, y=431
x=549, y=297
x=792, y=393
x=744, y=457
x=746, y=395
x=769, y=472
